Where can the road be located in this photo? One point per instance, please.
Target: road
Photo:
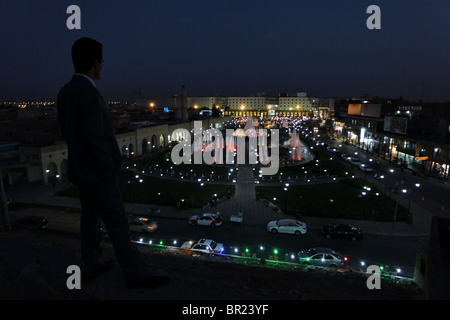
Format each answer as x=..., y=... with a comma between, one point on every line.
x=430, y=193
x=396, y=252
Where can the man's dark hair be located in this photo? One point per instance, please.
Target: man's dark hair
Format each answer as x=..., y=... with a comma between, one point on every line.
x=85, y=51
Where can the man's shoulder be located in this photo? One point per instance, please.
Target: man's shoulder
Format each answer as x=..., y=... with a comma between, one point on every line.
x=78, y=84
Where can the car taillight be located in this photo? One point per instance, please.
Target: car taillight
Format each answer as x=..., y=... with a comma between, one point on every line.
x=345, y=259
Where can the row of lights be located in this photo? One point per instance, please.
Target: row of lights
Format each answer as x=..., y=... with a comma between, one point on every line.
x=246, y=250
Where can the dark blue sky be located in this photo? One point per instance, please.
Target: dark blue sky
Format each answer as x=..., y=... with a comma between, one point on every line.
x=231, y=47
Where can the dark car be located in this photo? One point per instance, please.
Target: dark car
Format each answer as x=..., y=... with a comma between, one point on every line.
x=32, y=222
x=340, y=230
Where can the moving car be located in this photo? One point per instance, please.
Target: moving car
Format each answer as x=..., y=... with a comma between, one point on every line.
x=340, y=230
x=206, y=219
x=203, y=245
x=323, y=257
x=287, y=226
x=142, y=224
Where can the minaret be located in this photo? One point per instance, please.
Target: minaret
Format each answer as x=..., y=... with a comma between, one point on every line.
x=184, y=113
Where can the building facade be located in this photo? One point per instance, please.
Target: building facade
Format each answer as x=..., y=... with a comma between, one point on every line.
x=412, y=136
x=49, y=163
x=299, y=105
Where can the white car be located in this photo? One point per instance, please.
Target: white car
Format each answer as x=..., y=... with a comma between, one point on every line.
x=142, y=225
x=322, y=257
x=203, y=245
x=287, y=226
x=207, y=219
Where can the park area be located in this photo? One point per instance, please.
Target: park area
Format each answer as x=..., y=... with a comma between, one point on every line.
x=323, y=187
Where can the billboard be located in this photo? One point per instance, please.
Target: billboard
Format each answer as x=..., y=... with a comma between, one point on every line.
x=395, y=124
x=364, y=109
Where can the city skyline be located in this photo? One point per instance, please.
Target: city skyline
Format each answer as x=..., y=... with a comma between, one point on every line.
x=231, y=48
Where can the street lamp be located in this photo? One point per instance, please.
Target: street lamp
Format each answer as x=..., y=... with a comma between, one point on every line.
x=417, y=185
x=285, y=197
x=396, y=204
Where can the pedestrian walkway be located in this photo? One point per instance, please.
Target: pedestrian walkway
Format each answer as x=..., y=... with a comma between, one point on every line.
x=255, y=212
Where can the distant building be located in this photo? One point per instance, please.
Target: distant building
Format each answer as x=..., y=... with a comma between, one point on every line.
x=263, y=106
x=413, y=136
x=258, y=105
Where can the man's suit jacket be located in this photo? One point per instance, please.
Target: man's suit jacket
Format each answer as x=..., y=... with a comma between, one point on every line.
x=93, y=153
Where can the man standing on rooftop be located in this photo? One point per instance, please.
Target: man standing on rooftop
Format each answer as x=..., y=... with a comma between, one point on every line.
x=94, y=162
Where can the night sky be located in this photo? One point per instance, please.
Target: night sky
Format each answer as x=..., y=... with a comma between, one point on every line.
x=231, y=48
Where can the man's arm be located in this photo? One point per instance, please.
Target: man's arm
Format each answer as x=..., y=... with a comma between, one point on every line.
x=92, y=128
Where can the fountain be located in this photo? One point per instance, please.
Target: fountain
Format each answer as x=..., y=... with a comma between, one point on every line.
x=298, y=152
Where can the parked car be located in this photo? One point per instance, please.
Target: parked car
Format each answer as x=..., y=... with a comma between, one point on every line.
x=346, y=156
x=207, y=219
x=203, y=245
x=32, y=222
x=287, y=226
x=340, y=230
x=142, y=224
x=323, y=257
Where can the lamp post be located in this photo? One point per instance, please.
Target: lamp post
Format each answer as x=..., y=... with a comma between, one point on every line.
x=417, y=185
x=285, y=197
x=396, y=204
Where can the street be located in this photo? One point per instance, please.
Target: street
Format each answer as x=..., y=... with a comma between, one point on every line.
x=426, y=192
x=396, y=252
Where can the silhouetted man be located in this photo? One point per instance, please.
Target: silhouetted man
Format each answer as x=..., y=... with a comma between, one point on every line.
x=94, y=162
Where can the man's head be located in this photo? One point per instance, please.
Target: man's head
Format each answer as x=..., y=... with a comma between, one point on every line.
x=87, y=57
